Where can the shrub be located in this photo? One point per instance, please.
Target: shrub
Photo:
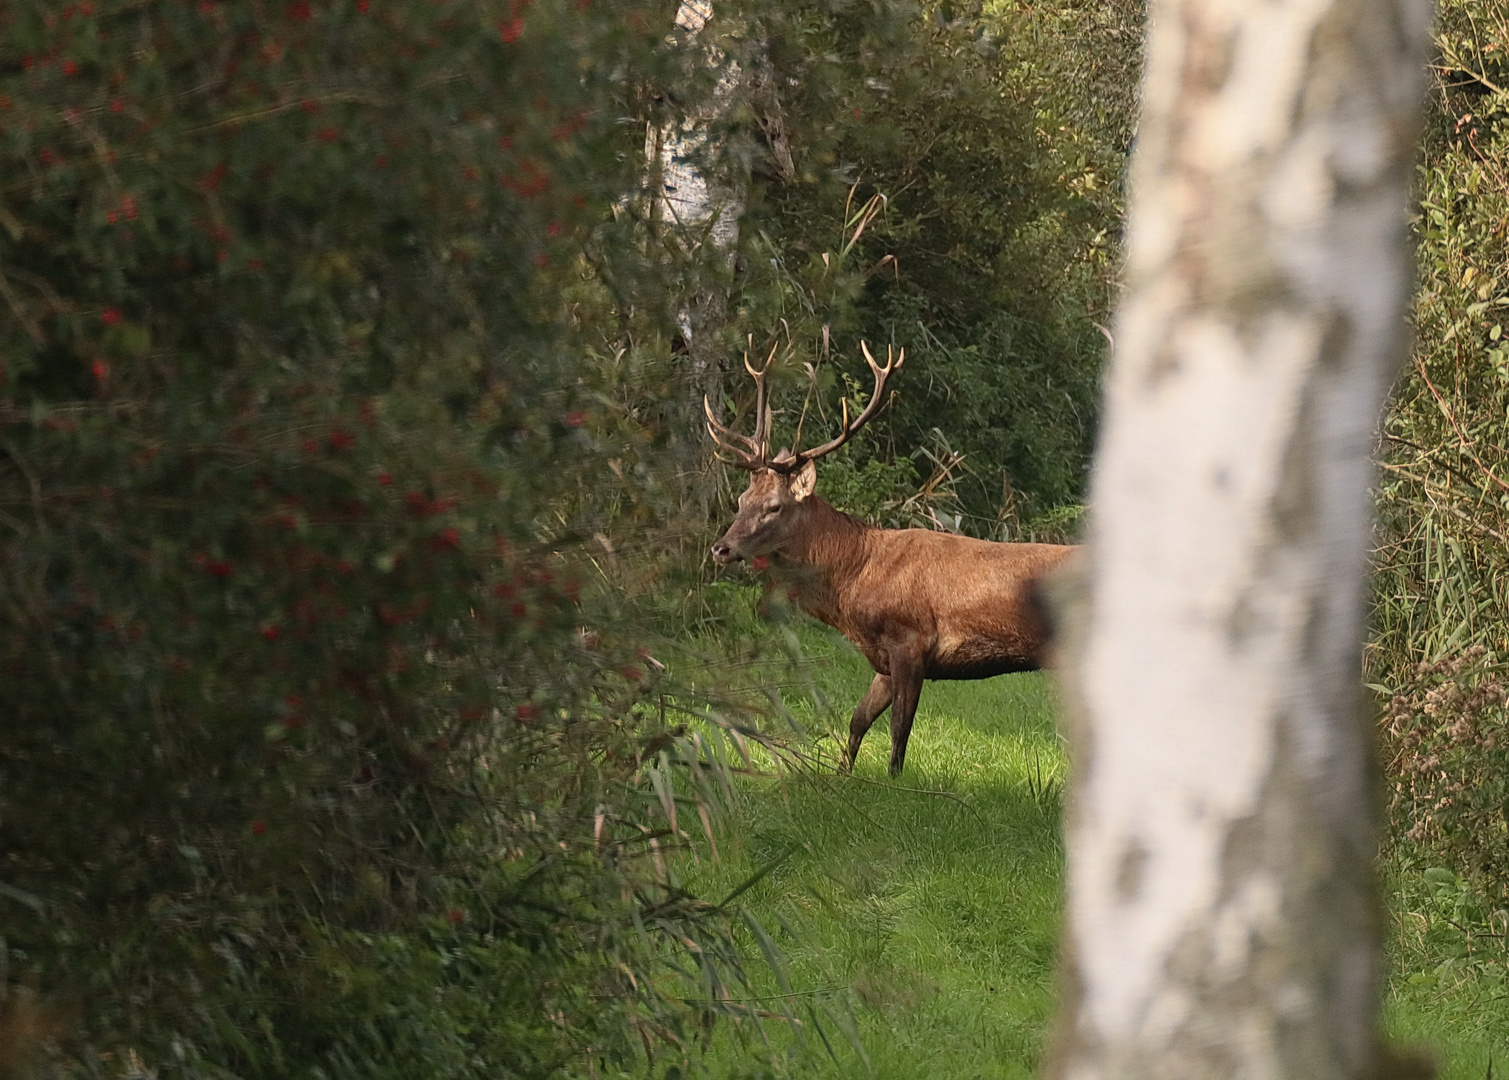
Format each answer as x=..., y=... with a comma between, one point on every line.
x=320, y=752
x=977, y=157
x=1446, y=742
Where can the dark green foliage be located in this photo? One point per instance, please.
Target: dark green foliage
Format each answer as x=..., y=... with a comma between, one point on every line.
x=320, y=752
x=997, y=149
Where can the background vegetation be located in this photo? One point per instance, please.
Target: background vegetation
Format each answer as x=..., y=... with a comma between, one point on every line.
x=365, y=705
x=1437, y=660
x=323, y=749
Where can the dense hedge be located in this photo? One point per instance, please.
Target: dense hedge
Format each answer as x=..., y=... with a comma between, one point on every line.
x=320, y=751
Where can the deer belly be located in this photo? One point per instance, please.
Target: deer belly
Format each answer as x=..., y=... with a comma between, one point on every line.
x=980, y=657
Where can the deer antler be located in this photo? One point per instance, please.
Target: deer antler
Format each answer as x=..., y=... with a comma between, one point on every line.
x=754, y=458
x=752, y=453
x=789, y=463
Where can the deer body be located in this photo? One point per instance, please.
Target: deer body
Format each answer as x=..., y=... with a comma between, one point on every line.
x=918, y=604
x=955, y=601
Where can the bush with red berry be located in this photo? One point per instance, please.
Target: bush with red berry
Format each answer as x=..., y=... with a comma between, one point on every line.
x=320, y=753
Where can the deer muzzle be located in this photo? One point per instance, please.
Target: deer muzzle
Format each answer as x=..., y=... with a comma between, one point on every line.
x=724, y=553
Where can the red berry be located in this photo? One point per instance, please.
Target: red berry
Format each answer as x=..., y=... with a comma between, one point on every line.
x=110, y=316
x=258, y=827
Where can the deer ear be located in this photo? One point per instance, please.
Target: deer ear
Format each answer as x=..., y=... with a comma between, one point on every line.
x=804, y=482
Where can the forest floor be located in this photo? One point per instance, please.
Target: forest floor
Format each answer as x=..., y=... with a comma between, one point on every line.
x=921, y=915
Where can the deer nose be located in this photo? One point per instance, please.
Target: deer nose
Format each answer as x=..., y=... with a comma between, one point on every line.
x=722, y=553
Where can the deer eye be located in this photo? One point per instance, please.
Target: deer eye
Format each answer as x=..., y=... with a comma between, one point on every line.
x=771, y=511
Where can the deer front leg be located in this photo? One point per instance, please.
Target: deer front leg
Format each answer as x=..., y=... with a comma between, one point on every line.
x=906, y=682
x=876, y=700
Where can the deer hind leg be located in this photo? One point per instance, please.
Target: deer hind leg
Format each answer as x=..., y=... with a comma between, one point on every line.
x=876, y=700
x=906, y=678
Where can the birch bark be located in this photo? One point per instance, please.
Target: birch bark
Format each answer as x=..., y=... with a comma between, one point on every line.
x=1221, y=917
x=698, y=191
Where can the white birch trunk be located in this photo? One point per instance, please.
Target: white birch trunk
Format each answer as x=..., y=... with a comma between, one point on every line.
x=698, y=192
x=700, y=206
x=1221, y=917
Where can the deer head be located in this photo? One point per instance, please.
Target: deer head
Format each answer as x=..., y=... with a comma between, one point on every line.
x=770, y=510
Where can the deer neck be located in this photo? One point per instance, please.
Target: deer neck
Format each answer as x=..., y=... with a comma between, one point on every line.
x=827, y=553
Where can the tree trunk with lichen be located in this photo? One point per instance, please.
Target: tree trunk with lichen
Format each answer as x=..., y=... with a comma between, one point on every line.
x=1222, y=920
x=698, y=191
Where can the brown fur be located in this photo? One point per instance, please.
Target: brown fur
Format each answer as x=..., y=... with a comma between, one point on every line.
x=918, y=604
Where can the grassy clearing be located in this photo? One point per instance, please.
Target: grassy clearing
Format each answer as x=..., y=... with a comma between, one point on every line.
x=925, y=913
x=929, y=906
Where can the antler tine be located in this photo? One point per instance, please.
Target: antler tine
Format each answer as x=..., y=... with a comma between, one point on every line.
x=743, y=461
x=726, y=438
x=753, y=458
x=877, y=399
x=762, y=411
x=890, y=364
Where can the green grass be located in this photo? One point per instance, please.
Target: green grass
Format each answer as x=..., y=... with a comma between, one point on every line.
x=930, y=904
x=1450, y=989
x=924, y=912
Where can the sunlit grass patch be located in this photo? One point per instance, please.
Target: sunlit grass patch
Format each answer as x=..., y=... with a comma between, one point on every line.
x=928, y=904
x=926, y=908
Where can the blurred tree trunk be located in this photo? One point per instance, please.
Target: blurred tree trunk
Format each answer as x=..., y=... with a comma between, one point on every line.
x=699, y=187
x=1222, y=920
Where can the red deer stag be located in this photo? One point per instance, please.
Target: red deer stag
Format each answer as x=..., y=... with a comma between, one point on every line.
x=918, y=604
